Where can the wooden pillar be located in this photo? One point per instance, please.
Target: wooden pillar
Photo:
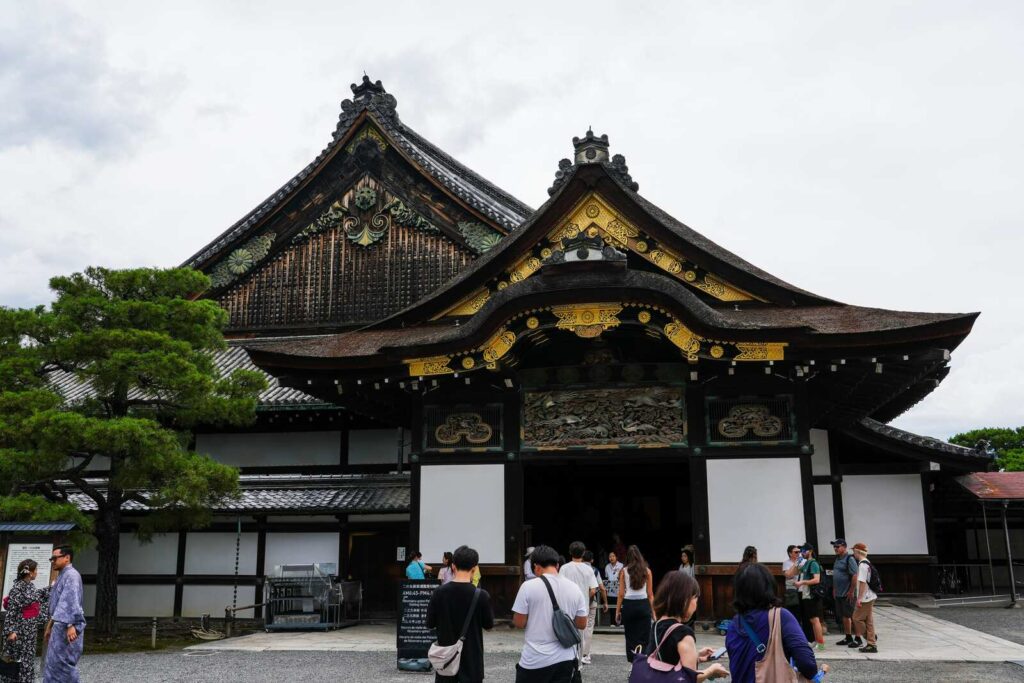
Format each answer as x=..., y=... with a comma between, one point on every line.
x=837, y=492
x=810, y=510
x=261, y=560
x=179, y=574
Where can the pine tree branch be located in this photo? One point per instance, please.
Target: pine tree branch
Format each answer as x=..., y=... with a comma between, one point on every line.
x=90, y=490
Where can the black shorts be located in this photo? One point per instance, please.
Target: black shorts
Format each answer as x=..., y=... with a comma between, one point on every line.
x=811, y=607
x=556, y=673
x=844, y=608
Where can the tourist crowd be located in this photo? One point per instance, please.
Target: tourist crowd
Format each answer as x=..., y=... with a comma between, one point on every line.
x=558, y=603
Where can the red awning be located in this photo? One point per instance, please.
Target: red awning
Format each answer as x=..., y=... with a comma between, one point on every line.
x=994, y=485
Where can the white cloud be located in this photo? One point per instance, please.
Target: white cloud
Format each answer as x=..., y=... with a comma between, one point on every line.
x=869, y=152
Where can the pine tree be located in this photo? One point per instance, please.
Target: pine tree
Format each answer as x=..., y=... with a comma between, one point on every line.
x=142, y=342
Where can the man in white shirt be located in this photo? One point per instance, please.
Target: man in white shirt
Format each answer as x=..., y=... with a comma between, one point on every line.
x=864, y=609
x=582, y=574
x=544, y=659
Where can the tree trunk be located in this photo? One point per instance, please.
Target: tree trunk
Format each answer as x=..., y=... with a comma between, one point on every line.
x=108, y=545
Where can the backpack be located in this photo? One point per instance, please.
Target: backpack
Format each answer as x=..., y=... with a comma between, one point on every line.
x=823, y=589
x=874, y=578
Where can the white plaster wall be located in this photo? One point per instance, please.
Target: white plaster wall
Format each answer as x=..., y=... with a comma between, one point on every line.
x=824, y=515
x=145, y=601
x=85, y=561
x=376, y=446
x=820, y=463
x=89, y=599
x=300, y=548
x=266, y=449
x=214, y=553
x=160, y=556
x=134, y=600
x=755, y=502
x=199, y=600
x=463, y=504
x=886, y=511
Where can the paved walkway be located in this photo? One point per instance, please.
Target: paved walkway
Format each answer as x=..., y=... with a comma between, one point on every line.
x=903, y=635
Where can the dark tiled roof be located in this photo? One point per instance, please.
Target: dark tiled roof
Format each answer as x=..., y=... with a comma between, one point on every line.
x=923, y=442
x=798, y=322
x=227, y=360
x=470, y=187
x=31, y=527
x=342, y=493
x=994, y=485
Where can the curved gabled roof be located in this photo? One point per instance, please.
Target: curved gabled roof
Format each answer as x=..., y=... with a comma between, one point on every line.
x=370, y=100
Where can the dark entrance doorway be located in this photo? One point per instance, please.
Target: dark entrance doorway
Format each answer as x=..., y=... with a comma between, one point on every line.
x=646, y=504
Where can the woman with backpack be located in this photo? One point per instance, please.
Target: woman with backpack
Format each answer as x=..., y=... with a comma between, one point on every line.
x=811, y=592
x=762, y=635
x=672, y=641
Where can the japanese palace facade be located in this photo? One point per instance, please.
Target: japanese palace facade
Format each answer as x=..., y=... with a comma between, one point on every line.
x=449, y=365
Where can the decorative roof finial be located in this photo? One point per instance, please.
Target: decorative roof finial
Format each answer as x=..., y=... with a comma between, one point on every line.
x=368, y=95
x=591, y=149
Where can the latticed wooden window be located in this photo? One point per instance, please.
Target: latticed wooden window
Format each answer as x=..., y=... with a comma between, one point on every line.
x=750, y=420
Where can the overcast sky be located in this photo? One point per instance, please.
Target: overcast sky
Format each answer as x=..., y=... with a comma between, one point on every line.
x=871, y=152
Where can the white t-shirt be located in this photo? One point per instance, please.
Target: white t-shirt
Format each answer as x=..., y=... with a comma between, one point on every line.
x=790, y=580
x=582, y=574
x=540, y=647
x=866, y=595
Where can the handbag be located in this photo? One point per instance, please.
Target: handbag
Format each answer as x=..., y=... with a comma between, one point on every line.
x=650, y=668
x=446, y=658
x=774, y=666
x=561, y=623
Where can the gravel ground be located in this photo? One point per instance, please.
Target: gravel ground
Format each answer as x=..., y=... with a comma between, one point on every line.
x=380, y=667
x=997, y=621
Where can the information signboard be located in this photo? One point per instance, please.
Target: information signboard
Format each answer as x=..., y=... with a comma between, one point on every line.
x=16, y=552
x=414, y=638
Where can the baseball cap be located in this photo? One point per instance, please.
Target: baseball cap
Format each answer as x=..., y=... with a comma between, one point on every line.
x=838, y=541
x=529, y=551
x=805, y=547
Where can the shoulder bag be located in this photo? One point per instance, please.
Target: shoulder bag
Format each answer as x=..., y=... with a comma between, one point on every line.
x=774, y=666
x=446, y=658
x=650, y=668
x=561, y=623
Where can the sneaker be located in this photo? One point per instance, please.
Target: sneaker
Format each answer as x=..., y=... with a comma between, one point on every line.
x=585, y=660
x=869, y=649
x=845, y=641
x=855, y=643
x=859, y=641
x=820, y=647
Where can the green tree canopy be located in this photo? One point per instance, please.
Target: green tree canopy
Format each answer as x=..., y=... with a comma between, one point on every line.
x=1007, y=443
x=142, y=343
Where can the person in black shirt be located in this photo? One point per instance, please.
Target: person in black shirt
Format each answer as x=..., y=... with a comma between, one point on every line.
x=447, y=613
x=675, y=601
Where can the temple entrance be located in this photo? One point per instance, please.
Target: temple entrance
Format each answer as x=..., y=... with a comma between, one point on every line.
x=645, y=504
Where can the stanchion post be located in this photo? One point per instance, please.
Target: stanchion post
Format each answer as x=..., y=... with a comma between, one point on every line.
x=153, y=635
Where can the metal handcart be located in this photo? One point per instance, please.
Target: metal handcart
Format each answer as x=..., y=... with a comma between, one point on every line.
x=309, y=597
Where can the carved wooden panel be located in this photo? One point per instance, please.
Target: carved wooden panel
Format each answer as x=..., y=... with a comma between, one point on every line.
x=750, y=420
x=608, y=418
x=329, y=279
x=476, y=426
